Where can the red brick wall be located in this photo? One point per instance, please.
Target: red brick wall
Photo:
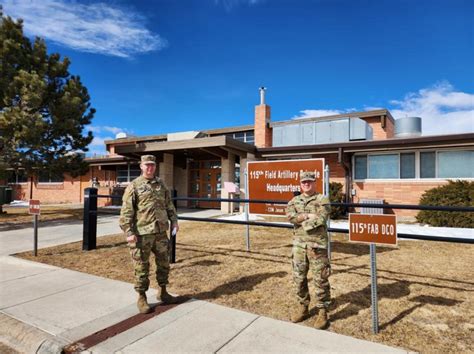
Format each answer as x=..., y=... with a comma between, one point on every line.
x=336, y=171
x=390, y=128
x=396, y=192
x=70, y=191
x=51, y=193
x=263, y=132
x=379, y=132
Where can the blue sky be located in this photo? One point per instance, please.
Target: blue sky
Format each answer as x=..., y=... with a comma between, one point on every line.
x=163, y=66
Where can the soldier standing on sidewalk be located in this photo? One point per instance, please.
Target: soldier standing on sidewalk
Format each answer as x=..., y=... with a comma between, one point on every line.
x=144, y=216
x=308, y=212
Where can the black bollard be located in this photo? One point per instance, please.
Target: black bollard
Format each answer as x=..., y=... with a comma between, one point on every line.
x=89, y=231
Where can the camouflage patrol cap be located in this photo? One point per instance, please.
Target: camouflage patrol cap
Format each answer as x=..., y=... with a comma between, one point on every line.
x=307, y=176
x=146, y=159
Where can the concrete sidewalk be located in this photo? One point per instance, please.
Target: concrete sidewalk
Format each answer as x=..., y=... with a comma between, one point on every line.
x=66, y=231
x=43, y=308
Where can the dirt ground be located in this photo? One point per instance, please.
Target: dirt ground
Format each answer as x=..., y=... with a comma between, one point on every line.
x=425, y=289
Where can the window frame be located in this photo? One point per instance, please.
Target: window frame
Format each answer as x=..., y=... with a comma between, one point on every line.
x=49, y=179
x=247, y=136
x=417, y=166
x=128, y=169
x=16, y=178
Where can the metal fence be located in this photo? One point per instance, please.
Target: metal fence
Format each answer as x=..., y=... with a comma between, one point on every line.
x=90, y=217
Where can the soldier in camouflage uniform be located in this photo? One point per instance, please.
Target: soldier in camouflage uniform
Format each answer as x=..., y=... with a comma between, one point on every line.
x=308, y=212
x=144, y=216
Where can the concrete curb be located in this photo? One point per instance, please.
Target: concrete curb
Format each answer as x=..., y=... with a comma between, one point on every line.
x=28, y=339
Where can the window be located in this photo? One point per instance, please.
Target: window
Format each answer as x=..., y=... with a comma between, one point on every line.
x=456, y=164
x=250, y=137
x=15, y=177
x=127, y=173
x=383, y=166
x=361, y=167
x=428, y=164
x=50, y=177
x=407, y=165
x=246, y=137
x=239, y=136
x=134, y=172
x=431, y=164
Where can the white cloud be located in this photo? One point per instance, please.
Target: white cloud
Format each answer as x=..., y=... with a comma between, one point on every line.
x=97, y=146
x=312, y=113
x=106, y=128
x=442, y=109
x=99, y=141
x=372, y=108
x=101, y=134
x=230, y=4
x=96, y=28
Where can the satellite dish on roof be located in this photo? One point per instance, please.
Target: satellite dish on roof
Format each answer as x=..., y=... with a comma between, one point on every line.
x=120, y=135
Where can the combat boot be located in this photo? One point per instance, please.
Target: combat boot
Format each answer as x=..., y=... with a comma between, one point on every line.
x=142, y=304
x=165, y=297
x=299, y=313
x=321, y=321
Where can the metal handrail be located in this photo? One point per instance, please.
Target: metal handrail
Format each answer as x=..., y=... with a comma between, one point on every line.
x=335, y=204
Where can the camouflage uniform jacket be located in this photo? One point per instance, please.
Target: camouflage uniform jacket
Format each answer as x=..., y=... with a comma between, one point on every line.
x=311, y=230
x=146, y=207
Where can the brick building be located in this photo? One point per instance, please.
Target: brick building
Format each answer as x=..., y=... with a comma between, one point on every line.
x=370, y=153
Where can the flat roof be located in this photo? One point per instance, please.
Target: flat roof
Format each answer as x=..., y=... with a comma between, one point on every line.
x=159, y=137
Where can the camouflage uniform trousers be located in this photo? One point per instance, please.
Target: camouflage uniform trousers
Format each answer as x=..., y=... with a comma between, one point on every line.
x=140, y=252
x=306, y=256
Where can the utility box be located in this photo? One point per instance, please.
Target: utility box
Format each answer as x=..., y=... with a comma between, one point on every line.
x=5, y=195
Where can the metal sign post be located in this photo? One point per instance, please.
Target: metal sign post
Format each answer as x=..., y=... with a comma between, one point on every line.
x=373, y=289
x=326, y=193
x=34, y=209
x=373, y=229
x=35, y=242
x=246, y=209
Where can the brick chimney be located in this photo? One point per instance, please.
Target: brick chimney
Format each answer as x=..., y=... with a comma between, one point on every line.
x=263, y=132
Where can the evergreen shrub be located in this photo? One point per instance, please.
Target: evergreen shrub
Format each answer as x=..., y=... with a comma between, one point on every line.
x=456, y=193
x=336, y=196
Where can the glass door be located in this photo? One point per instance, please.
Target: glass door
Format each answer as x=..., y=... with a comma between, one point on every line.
x=205, y=182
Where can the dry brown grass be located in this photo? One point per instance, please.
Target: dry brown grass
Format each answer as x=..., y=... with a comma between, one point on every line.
x=19, y=215
x=5, y=349
x=425, y=288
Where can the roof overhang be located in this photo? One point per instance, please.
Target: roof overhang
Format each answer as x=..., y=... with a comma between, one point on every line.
x=218, y=147
x=109, y=161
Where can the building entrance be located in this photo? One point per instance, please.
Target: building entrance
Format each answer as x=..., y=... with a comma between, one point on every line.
x=205, y=182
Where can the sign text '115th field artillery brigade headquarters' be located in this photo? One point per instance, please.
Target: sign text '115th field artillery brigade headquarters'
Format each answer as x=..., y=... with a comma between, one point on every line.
x=279, y=180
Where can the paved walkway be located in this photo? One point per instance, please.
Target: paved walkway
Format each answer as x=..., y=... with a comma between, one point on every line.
x=43, y=308
x=46, y=307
